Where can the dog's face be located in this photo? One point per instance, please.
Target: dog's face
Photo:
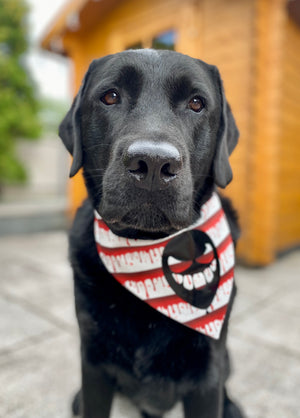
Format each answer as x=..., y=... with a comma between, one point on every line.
x=153, y=131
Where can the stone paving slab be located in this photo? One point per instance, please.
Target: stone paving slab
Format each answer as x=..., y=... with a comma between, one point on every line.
x=37, y=275
x=19, y=325
x=271, y=296
x=265, y=379
x=39, y=346
x=264, y=339
x=37, y=380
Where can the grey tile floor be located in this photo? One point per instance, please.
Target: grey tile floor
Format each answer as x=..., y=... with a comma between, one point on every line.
x=39, y=350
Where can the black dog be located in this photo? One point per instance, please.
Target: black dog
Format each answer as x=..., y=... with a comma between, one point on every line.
x=153, y=133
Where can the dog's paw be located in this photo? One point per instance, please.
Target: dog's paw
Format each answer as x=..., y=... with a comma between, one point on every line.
x=231, y=410
x=145, y=415
x=76, y=405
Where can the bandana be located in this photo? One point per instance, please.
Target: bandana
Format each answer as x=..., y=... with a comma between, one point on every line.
x=187, y=276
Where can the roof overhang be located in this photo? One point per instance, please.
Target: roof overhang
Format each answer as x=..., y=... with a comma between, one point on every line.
x=75, y=17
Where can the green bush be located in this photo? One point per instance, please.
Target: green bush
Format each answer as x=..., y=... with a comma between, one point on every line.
x=19, y=106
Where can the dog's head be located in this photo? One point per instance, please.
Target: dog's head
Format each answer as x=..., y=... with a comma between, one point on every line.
x=153, y=133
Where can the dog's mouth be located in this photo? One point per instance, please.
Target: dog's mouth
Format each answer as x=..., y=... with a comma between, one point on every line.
x=145, y=221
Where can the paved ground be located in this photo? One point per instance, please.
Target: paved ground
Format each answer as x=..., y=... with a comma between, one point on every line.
x=39, y=367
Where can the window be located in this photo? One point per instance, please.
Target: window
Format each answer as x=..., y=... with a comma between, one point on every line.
x=138, y=45
x=164, y=40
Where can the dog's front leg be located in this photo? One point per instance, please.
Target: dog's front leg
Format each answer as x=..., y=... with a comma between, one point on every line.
x=97, y=392
x=205, y=405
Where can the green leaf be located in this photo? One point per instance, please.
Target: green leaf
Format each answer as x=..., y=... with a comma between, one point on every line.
x=19, y=107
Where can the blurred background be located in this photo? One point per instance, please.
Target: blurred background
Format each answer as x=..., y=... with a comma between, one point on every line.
x=45, y=49
x=256, y=46
x=34, y=95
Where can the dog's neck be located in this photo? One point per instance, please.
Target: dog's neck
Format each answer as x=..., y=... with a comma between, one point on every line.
x=187, y=276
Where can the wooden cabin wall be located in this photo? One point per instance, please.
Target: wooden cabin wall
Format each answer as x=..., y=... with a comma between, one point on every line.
x=255, y=47
x=262, y=188
x=227, y=42
x=288, y=200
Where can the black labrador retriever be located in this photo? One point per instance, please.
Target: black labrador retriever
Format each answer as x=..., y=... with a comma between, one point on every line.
x=153, y=133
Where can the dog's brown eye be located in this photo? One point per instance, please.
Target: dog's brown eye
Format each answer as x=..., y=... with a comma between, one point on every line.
x=110, y=98
x=196, y=104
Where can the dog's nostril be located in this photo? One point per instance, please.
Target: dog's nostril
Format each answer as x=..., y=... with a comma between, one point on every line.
x=166, y=171
x=138, y=168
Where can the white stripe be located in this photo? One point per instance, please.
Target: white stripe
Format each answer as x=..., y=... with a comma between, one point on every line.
x=110, y=240
x=141, y=261
x=219, y=231
x=227, y=259
x=222, y=295
x=151, y=288
x=212, y=329
x=157, y=287
x=210, y=208
x=184, y=312
x=133, y=262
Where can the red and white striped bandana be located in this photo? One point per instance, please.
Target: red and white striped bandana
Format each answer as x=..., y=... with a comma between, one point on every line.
x=187, y=276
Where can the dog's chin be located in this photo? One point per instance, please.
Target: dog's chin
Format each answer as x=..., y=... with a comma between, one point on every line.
x=144, y=222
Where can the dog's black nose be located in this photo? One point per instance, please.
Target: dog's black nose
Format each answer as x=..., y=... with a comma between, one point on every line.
x=152, y=165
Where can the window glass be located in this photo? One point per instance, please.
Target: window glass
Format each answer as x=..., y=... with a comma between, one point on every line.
x=165, y=40
x=137, y=45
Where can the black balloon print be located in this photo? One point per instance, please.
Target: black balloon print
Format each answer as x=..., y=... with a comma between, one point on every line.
x=188, y=247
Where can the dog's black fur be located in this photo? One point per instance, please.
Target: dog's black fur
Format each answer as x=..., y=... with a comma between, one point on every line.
x=136, y=100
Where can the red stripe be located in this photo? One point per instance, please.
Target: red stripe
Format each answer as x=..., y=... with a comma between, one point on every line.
x=102, y=224
x=179, y=267
x=213, y=220
x=226, y=276
x=224, y=244
x=139, y=275
x=166, y=301
x=125, y=250
x=205, y=258
x=151, y=274
x=200, y=322
x=107, y=250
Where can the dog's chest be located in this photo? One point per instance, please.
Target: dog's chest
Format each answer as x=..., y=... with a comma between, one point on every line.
x=139, y=340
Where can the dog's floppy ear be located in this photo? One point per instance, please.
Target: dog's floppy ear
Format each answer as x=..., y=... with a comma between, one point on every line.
x=227, y=139
x=70, y=129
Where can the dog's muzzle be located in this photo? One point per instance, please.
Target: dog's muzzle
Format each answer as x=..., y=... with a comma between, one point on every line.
x=152, y=165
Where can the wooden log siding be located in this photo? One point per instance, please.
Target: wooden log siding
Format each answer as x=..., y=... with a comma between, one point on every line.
x=227, y=43
x=263, y=166
x=288, y=199
x=256, y=47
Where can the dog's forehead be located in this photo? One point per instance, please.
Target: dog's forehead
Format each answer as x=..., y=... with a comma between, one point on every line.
x=152, y=64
